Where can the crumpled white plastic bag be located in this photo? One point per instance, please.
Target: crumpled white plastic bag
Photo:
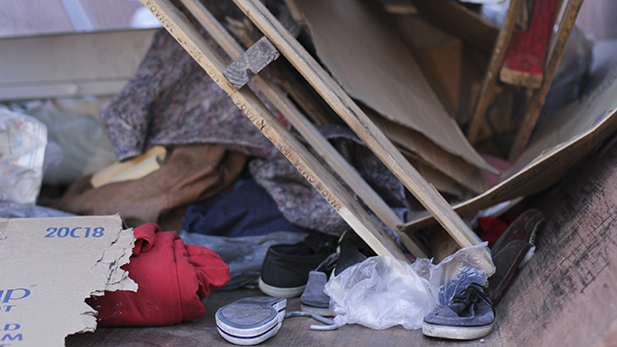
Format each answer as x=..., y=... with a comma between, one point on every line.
x=382, y=291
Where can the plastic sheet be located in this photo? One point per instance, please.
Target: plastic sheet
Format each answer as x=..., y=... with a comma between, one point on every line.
x=78, y=143
x=22, y=152
x=382, y=292
x=16, y=210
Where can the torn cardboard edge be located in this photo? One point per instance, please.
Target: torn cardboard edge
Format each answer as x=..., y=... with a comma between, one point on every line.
x=560, y=142
x=51, y=266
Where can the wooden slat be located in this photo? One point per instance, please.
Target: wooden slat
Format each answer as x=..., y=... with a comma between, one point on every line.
x=349, y=209
x=537, y=99
x=349, y=111
x=487, y=92
x=324, y=148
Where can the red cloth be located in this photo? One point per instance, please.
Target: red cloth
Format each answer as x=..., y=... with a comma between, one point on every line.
x=173, y=279
x=490, y=229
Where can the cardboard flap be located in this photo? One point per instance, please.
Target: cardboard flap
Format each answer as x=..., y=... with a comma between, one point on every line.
x=50, y=266
x=358, y=43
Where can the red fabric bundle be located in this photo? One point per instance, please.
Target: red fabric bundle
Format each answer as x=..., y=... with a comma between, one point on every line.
x=173, y=279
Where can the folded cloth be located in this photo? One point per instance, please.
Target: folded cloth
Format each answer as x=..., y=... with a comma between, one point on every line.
x=173, y=279
x=248, y=210
x=191, y=174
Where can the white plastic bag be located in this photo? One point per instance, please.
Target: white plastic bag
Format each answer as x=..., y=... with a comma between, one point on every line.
x=78, y=144
x=382, y=292
x=22, y=151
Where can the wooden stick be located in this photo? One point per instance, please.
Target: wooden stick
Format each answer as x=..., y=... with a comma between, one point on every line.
x=537, y=99
x=324, y=148
x=351, y=113
x=179, y=27
x=490, y=79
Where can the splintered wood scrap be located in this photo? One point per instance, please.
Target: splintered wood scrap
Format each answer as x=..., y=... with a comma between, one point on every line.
x=348, y=208
x=251, y=62
x=351, y=113
x=539, y=96
x=487, y=93
x=258, y=56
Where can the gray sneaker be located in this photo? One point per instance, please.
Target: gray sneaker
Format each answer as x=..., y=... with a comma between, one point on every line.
x=470, y=315
x=252, y=320
x=351, y=249
x=313, y=298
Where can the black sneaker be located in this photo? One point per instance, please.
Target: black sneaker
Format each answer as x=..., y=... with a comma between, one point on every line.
x=470, y=315
x=285, y=269
x=352, y=250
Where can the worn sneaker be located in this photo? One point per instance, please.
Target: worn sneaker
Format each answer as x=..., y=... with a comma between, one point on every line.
x=350, y=250
x=250, y=321
x=285, y=269
x=313, y=299
x=513, y=249
x=470, y=315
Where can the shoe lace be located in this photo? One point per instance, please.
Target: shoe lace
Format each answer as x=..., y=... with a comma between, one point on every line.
x=474, y=294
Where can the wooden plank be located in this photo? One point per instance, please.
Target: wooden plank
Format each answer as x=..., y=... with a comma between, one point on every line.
x=537, y=99
x=251, y=62
x=361, y=124
x=566, y=295
x=487, y=93
x=358, y=219
x=324, y=148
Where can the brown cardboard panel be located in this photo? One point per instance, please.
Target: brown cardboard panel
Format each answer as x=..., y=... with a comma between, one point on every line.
x=441, y=182
x=559, y=143
x=359, y=45
x=432, y=155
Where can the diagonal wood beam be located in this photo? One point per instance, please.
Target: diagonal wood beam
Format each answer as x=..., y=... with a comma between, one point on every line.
x=349, y=209
x=357, y=120
x=324, y=148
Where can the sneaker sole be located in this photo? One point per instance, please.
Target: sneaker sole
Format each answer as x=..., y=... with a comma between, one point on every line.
x=250, y=321
x=324, y=312
x=456, y=333
x=280, y=292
